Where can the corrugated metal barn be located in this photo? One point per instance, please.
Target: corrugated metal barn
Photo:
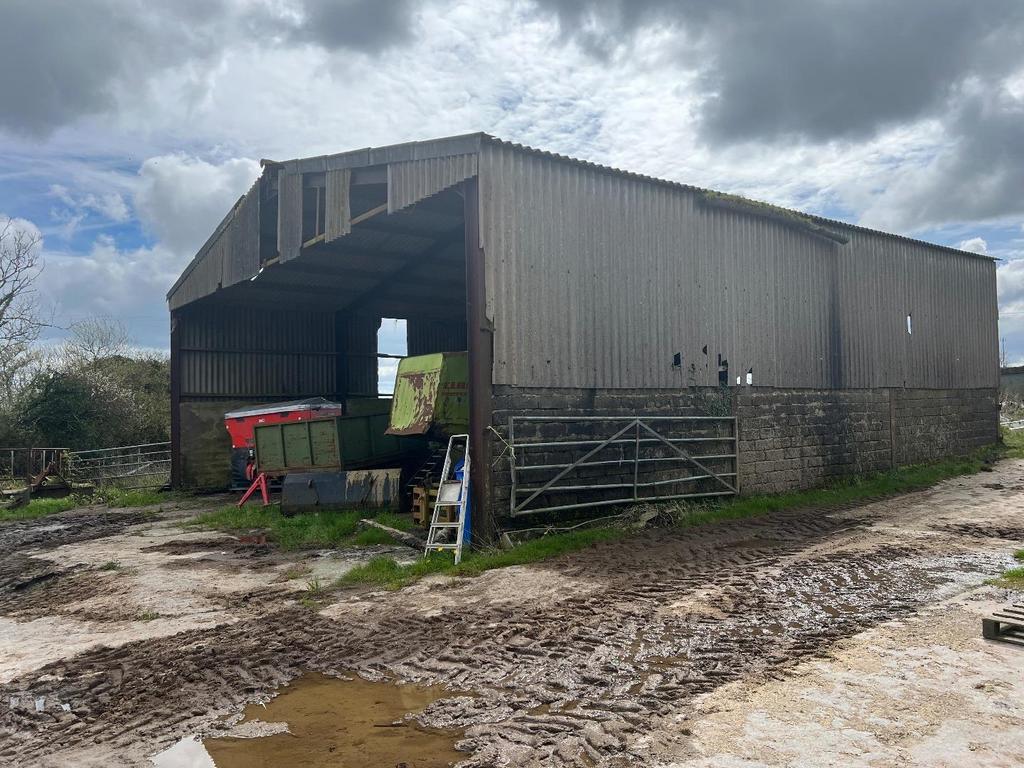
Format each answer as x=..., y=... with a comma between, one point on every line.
x=584, y=291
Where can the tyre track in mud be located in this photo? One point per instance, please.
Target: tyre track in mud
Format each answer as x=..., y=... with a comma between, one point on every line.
x=56, y=530
x=34, y=586
x=675, y=614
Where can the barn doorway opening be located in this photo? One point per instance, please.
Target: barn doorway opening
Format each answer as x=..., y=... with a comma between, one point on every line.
x=325, y=334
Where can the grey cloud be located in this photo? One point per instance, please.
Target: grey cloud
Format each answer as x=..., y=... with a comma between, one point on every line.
x=60, y=61
x=816, y=70
x=362, y=25
x=828, y=70
x=812, y=72
x=979, y=177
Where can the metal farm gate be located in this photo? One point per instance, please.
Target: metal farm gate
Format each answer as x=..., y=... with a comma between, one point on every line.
x=574, y=462
x=127, y=466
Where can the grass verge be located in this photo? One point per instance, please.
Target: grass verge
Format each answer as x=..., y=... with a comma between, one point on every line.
x=848, y=491
x=114, y=498
x=1010, y=579
x=40, y=508
x=1013, y=443
x=385, y=572
x=309, y=530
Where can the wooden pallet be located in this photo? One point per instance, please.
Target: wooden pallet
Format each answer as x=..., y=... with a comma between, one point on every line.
x=423, y=498
x=1005, y=625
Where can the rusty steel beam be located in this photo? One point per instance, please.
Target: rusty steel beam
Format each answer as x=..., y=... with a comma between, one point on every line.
x=479, y=333
x=175, y=399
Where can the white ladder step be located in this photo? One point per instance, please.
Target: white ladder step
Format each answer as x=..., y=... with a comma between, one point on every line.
x=451, y=492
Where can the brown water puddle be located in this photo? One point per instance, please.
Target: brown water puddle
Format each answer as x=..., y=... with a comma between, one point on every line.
x=333, y=722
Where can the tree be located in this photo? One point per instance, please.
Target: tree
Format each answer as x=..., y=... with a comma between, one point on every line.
x=20, y=318
x=92, y=340
x=112, y=401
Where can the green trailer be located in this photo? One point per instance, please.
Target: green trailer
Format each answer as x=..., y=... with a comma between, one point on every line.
x=431, y=395
x=338, y=443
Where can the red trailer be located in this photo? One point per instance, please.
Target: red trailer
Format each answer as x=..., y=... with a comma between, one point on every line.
x=241, y=423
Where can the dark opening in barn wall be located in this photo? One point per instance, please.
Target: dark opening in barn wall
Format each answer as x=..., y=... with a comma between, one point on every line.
x=307, y=325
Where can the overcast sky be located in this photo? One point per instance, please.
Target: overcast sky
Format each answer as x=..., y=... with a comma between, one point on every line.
x=127, y=130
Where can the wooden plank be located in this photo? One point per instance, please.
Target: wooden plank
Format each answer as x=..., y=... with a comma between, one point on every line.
x=403, y=537
x=369, y=214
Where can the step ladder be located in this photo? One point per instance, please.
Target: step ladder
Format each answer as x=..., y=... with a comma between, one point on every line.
x=451, y=492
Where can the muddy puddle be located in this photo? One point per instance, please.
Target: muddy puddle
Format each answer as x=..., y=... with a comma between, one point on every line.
x=325, y=721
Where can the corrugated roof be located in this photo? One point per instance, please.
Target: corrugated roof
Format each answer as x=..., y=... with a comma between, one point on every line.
x=470, y=142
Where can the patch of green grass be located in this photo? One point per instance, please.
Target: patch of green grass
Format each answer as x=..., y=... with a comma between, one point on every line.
x=1013, y=443
x=147, y=616
x=1011, y=579
x=40, y=508
x=313, y=597
x=111, y=497
x=877, y=485
x=385, y=572
x=111, y=565
x=137, y=497
x=308, y=530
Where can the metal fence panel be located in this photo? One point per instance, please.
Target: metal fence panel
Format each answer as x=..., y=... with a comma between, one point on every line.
x=129, y=466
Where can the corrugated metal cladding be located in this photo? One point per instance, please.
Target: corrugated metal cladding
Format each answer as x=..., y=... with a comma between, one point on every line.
x=289, y=215
x=449, y=146
x=415, y=180
x=426, y=336
x=597, y=279
x=228, y=257
x=242, y=353
x=337, y=208
x=361, y=346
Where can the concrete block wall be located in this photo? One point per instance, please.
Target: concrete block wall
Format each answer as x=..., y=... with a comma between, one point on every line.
x=804, y=438
x=928, y=424
x=788, y=439
x=205, y=445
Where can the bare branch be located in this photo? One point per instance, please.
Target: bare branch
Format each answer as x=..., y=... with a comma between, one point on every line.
x=20, y=319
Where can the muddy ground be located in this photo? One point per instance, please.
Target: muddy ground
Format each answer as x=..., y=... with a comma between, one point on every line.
x=819, y=637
